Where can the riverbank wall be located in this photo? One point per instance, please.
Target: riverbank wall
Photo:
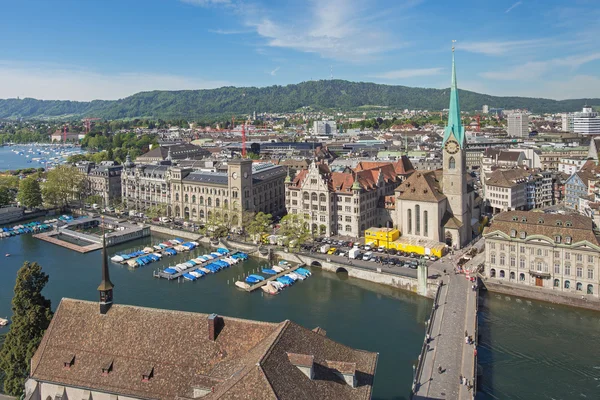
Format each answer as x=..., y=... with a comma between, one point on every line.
x=175, y=232
x=542, y=295
x=398, y=281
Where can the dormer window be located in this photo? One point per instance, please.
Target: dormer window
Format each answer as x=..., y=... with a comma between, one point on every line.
x=146, y=376
x=523, y=235
x=107, y=368
x=69, y=361
x=558, y=223
x=568, y=223
x=568, y=239
x=513, y=233
x=557, y=238
x=540, y=221
x=523, y=219
x=515, y=218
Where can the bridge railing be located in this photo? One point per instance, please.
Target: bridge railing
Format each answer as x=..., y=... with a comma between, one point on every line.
x=425, y=346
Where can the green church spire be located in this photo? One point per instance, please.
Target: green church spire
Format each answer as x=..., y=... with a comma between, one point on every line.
x=454, y=124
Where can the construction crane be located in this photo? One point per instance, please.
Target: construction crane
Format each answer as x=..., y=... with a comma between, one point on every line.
x=244, y=140
x=65, y=134
x=88, y=124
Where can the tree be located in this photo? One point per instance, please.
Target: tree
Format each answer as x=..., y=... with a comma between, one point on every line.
x=6, y=196
x=63, y=183
x=94, y=199
x=30, y=194
x=296, y=228
x=160, y=210
x=257, y=224
x=31, y=316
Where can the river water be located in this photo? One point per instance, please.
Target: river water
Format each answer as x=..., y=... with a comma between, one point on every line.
x=10, y=160
x=356, y=313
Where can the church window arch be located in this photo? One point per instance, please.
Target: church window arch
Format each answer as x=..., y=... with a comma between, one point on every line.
x=425, y=223
x=451, y=163
x=409, y=220
x=417, y=219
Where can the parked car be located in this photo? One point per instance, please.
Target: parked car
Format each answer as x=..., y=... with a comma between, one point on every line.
x=381, y=249
x=367, y=256
x=433, y=258
x=392, y=251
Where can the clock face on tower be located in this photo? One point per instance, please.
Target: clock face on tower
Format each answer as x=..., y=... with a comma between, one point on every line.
x=452, y=146
x=234, y=175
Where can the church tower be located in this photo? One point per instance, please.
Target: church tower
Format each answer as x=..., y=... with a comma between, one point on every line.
x=106, y=287
x=455, y=167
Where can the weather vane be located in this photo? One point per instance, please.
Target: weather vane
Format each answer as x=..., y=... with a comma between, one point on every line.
x=453, y=41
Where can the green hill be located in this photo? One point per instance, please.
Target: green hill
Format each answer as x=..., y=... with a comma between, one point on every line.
x=320, y=95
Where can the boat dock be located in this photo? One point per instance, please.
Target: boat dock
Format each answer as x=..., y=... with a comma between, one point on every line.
x=162, y=274
x=273, y=277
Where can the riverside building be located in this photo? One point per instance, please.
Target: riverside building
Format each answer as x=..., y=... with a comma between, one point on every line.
x=198, y=195
x=554, y=252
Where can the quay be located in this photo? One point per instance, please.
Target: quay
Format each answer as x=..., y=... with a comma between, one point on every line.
x=273, y=277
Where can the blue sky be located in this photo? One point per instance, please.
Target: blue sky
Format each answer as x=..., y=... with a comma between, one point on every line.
x=92, y=49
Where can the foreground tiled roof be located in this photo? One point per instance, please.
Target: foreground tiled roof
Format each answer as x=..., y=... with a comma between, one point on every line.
x=507, y=177
x=248, y=360
x=578, y=227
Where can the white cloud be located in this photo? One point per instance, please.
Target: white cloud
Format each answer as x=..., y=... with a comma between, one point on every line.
x=339, y=29
x=496, y=48
x=408, y=73
x=517, y=4
x=274, y=72
x=206, y=3
x=67, y=83
x=535, y=69
x=229, y=31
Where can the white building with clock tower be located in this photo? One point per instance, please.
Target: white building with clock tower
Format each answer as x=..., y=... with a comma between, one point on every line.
x=441, y=205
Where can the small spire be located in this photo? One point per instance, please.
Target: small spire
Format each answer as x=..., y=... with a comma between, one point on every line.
x=454, y=125
x=106, y=286
x=288, y=178
x=169, y=158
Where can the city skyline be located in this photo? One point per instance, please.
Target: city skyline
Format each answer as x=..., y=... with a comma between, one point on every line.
x=85, y=51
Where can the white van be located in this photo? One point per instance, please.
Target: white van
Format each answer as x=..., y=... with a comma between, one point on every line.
x=368, y=255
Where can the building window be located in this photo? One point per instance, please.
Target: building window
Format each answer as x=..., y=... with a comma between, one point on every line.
x=567, y=256
x=425, y=223
x=513, y=262
x=492, y=245
x=348, y=228
x=322, y=218
x=579, y=272
x=409, y=220
x=579, y=286
x=348, y=219
x=313, y=197
x=557, y=268
x=568, y=239
x=492, y=258
x=557, y=283
x=322, y=197
x=513, y=233
x=305, y=196
x=523, y=235
x=502, y=259
x=176, y=196
x=451, y=163
x=539, y=266
x=590, y=289
x=557, y=254
x=522, y=263
x=590, y=274
x=567, y=284
x=417, y=219
x=567, y=269
x=579, y=257
x=522, y=277
x=539, y=252
x=502, y=273
x=522, y=250
x=557, y=238
x=590, y=259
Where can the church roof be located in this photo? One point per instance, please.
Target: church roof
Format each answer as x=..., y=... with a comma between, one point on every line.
x=247, y=360
x=454, y=125
x=422, y=186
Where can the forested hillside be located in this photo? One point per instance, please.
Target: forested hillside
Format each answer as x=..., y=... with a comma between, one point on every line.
x=320, y=95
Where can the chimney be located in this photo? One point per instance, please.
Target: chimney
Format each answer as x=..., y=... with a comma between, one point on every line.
x=304, y=363
x=215, y=324
x=345, y=370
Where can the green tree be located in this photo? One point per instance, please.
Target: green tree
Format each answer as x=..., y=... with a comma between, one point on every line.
x=258, y=224
x=296, y=228
x=30, y=194
x=63, y=183
x=6, y=196
x=31, y=316
x=160, y=210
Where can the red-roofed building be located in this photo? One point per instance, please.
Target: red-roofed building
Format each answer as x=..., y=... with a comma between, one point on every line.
x=346, y=203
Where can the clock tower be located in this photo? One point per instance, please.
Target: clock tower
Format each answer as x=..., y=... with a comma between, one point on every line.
x=454, y=166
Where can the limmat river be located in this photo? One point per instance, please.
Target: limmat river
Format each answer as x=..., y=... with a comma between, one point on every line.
x=535, y=350
x=356, y=313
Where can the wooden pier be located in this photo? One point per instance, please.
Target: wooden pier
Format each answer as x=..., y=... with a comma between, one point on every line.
x=272, y=278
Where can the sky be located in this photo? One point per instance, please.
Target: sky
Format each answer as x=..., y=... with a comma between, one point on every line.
x=110, y=49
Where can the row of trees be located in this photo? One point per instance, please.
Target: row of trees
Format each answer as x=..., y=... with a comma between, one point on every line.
x=53, y=188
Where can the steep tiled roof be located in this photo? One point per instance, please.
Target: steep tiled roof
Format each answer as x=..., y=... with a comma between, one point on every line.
x=507, y=177
x=248, y=359
x=549, y=225
x=422, y=186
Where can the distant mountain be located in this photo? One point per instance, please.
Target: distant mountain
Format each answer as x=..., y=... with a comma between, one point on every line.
x=320, y=95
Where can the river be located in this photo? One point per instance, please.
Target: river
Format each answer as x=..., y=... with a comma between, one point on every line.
x=356, y=313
